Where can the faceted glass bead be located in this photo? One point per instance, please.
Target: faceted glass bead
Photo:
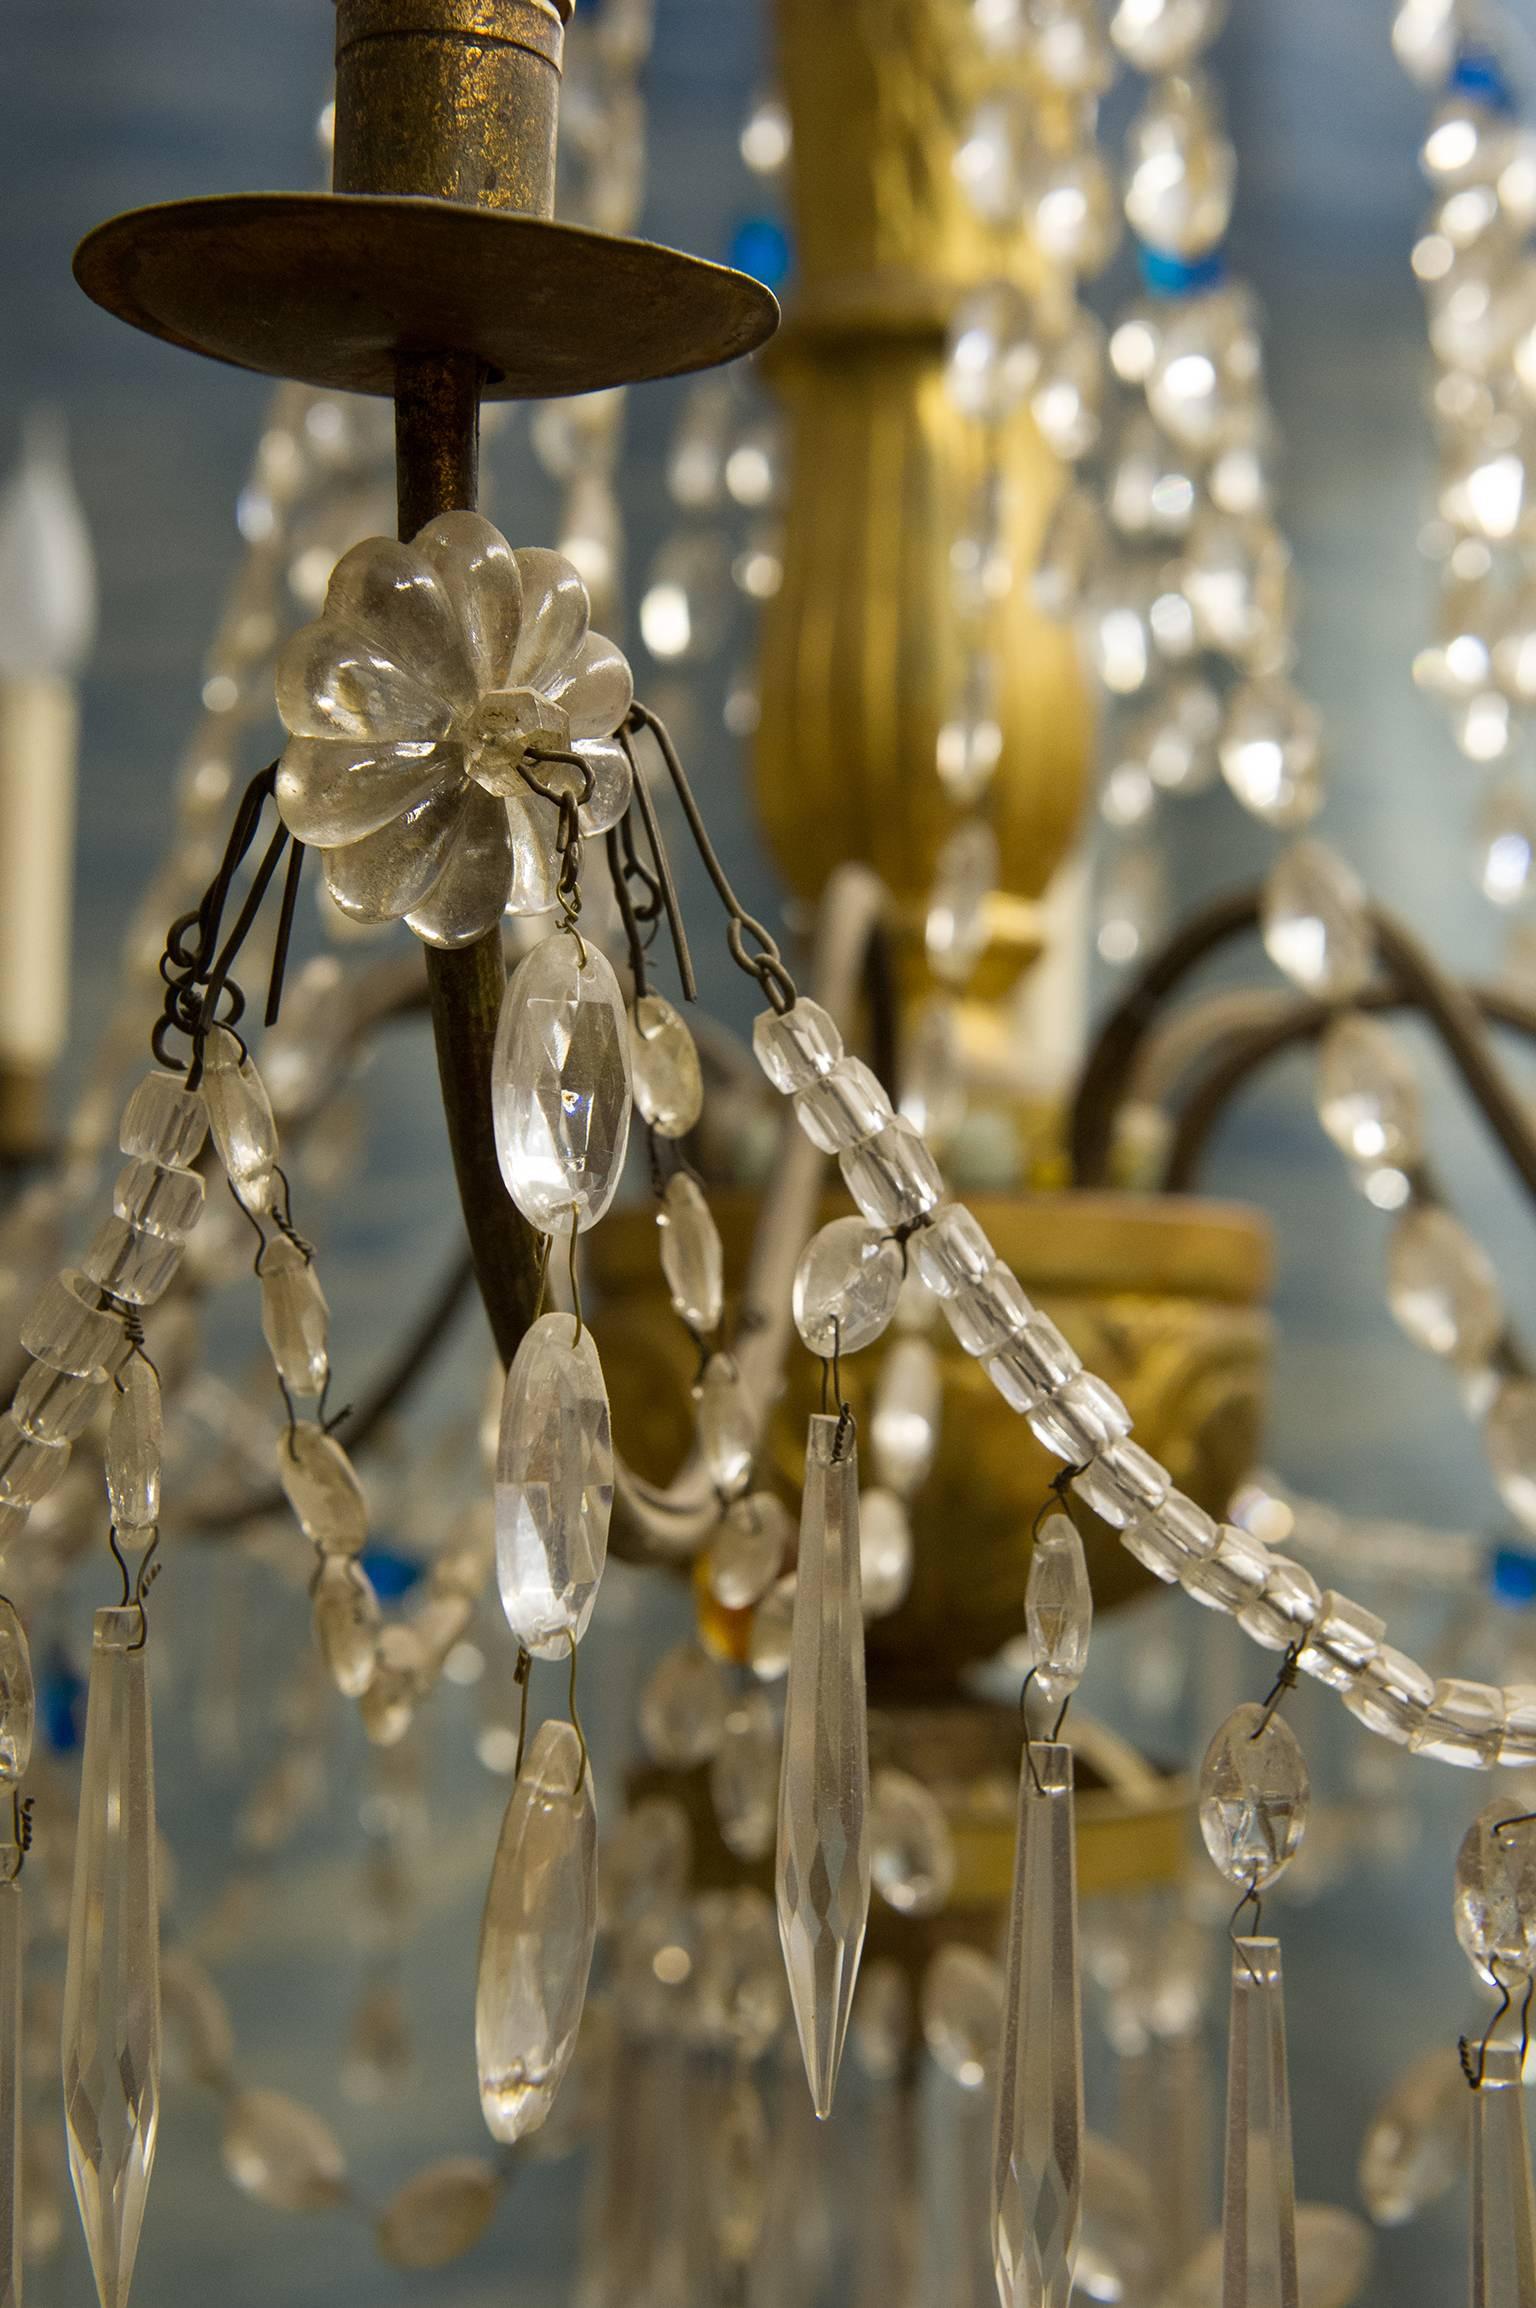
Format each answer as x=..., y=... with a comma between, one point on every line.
x=1180, y=170
x=1463, y=1723
x=772, y=1622
x=1058, y=1608
x=1389, y=1694
x=560, y=1089
x=1285, y=1608
x=157, y=1200
x=537, y=1936
x=281, y=2153
x=54, y=1405
x=1415, y=2145
x=692, y=1261
x=1204, y=369
x=986, y=1313
x=68, y=1331
x=347, y=1623
x=843, y=1106
x=1036, y=1362
x=748, y=1549
x=845, y=1287
x=727, y=1425
x=1170, y=1536
x=993, y=354
x=911, y=1852
x=132, y=1266
x=1343, y=1638
x=744, y=1777
x=439, y=2214
x=322, y=1488
x=18, y=1699
x=1509, y=1437
x=1316, y=924
x=683, y=1708
x=29, y=1470
x=1069, y=206
x=965, y=875
x=1495, y=1907
x=1232, y=1576
x=1164, y=35
x=1151, y=490
x=952, y=1251
x=295, y=1318
x=795, y=1047
x=1254, y=1794
x=893, y=1178
x=1442, y=1287
x=1080, y=1419
x=1123, y=1483
x=904, y=1429
x=1368, y=1093
x=240, y=1117
x=962, y=2014
x=1517, y=1742
x=133, y=1448
x=164, y=1122
x=664, y=1066
x=1235, y=576
x=1270, y=751
x=885, y=1552
x=554, y=1486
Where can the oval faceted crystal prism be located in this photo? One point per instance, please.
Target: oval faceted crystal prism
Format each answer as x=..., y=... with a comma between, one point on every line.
x=1254, y=1792
x=554, y=1486
x=560, y=1094
x=911, y=1851
x=347, y=1622
x=1496, y=1893
x=18, y=1699
x=294, y=1317
x=664, y=1060
x=691, y=1258
x=537, y=1935
x=240, y=1116
x=322, y=1488
x=133, y=1448
x=1058, y=1608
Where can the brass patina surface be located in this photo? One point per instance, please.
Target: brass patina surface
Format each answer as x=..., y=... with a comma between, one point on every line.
x=1162, y=1297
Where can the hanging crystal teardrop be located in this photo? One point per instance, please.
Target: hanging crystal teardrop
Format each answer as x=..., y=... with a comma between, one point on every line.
x=823, y=1872
x=112, y=1975
x=1038, y=2139
x=1258, y=2214
x=1058, y=1609
x=1254, y=1796
x=554, y=1486
x=560, y=1091
x=1503, y=2211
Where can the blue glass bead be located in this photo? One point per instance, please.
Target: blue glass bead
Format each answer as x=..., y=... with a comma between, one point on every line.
x=1512, y=1575
x=390, y=1574
x=760, y=246
x=61, y=1704
x=1175, y=276
x=1478, y=73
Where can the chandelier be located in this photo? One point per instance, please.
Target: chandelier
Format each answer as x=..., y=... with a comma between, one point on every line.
x=835, y=1397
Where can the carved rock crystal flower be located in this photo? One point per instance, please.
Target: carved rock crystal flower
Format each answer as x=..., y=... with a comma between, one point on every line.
x=430, y=691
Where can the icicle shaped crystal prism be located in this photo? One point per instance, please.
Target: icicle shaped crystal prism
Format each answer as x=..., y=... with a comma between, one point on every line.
x=1038, y=2139
x=1258, y=2212
x=1503, y=2211
x=560, y=1086
x=112, y=1977
x=823, y=1848
x=537, y=1935
x=10, y=2077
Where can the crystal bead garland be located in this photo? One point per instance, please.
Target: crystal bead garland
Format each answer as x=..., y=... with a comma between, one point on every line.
x=823, y=1867
x=111, y=2039
x=1254, y=1793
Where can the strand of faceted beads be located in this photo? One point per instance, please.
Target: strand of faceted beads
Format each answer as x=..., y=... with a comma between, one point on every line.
x=894, y=1179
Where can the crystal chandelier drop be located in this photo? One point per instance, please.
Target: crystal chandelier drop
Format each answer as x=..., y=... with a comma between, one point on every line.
x=890, y=1382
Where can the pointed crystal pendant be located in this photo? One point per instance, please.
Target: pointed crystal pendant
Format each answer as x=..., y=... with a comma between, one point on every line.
x=1258, y=2213
x=664, y=1064
x=554, y=1486
x=112, y=1977
x=823, y=1848
x=560, y=1092
x=133, y=1448
x=1316, y=922
x=1254, y=1793
x=1503, y=2211
x=537, y=1935
x=294, y=1317
x=11, y=2204
x=1038, y=2141
x=1058, y=1609
x=240, y=1117
x=18, y=1698
x=846, y=1286
x=691, y=1259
